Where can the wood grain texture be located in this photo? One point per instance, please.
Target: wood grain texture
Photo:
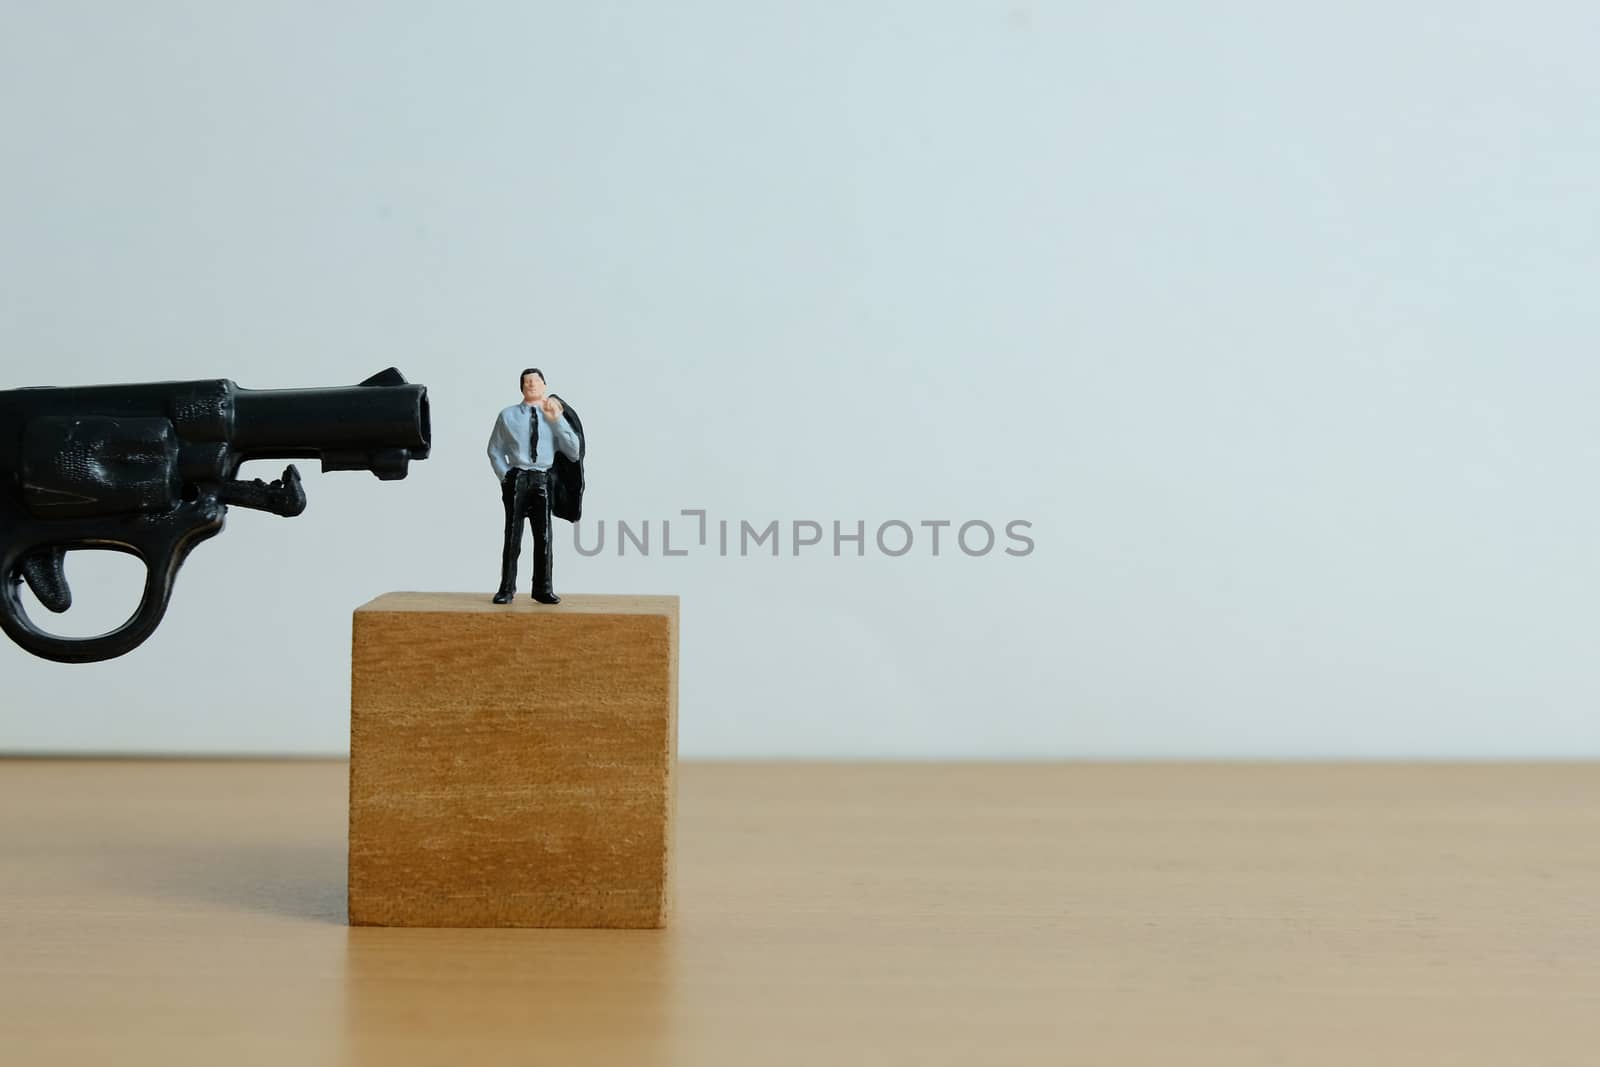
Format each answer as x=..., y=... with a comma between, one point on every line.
x=512, y=765
x=181, y=913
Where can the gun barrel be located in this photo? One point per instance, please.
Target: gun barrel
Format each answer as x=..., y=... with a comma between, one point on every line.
x=380, y=425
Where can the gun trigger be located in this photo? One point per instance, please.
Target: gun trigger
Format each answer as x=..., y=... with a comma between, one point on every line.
x=46, y=573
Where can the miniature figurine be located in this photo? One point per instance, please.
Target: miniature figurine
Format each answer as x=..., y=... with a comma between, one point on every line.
x=536, y=451
x=149, y=470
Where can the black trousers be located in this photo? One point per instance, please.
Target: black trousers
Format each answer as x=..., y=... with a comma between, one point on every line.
x=527, y=498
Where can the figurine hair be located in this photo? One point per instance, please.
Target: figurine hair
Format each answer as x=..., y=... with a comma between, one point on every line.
x=530, y=370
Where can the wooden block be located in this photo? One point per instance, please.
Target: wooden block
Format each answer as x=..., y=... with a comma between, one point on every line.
x=512, y=765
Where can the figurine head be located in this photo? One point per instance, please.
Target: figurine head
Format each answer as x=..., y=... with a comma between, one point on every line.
x=533, y=386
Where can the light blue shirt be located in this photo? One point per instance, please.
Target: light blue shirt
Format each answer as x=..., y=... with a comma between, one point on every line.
x=508, y=444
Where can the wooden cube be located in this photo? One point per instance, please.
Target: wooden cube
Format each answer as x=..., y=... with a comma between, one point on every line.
x=512, y=765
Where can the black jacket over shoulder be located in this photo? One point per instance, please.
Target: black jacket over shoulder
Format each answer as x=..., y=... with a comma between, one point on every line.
x=566, y=476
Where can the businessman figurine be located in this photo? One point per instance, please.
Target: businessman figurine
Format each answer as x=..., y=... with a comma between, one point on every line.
x=536, y=451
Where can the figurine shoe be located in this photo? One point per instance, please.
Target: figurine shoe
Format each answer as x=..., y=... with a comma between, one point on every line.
x=546, y=597
x=503, y=598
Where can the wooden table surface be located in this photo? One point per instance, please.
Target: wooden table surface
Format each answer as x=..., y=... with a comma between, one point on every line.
x=193, y=913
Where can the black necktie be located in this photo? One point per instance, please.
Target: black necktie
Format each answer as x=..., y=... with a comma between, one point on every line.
x=533, y=435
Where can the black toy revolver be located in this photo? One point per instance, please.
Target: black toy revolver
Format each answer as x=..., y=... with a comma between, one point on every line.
x=149, y=470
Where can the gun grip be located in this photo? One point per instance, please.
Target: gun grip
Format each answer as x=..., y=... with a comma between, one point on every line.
x=45, y=571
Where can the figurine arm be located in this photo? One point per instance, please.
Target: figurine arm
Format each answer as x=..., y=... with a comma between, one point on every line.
x=565, y=437
x=497, y=451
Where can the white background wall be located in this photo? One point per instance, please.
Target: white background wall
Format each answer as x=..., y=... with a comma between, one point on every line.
x=1277, y=321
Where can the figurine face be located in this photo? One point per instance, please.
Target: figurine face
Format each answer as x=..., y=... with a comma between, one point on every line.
x=532, y=389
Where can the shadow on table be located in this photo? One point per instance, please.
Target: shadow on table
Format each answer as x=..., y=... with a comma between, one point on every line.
x=298, y=881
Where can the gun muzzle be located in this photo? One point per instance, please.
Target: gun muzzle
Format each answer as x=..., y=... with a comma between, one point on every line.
x=380, y=425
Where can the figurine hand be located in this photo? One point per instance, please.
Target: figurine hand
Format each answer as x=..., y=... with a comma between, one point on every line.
x=552, y=408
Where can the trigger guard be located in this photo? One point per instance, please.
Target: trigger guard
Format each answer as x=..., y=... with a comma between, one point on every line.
x=161, y=545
